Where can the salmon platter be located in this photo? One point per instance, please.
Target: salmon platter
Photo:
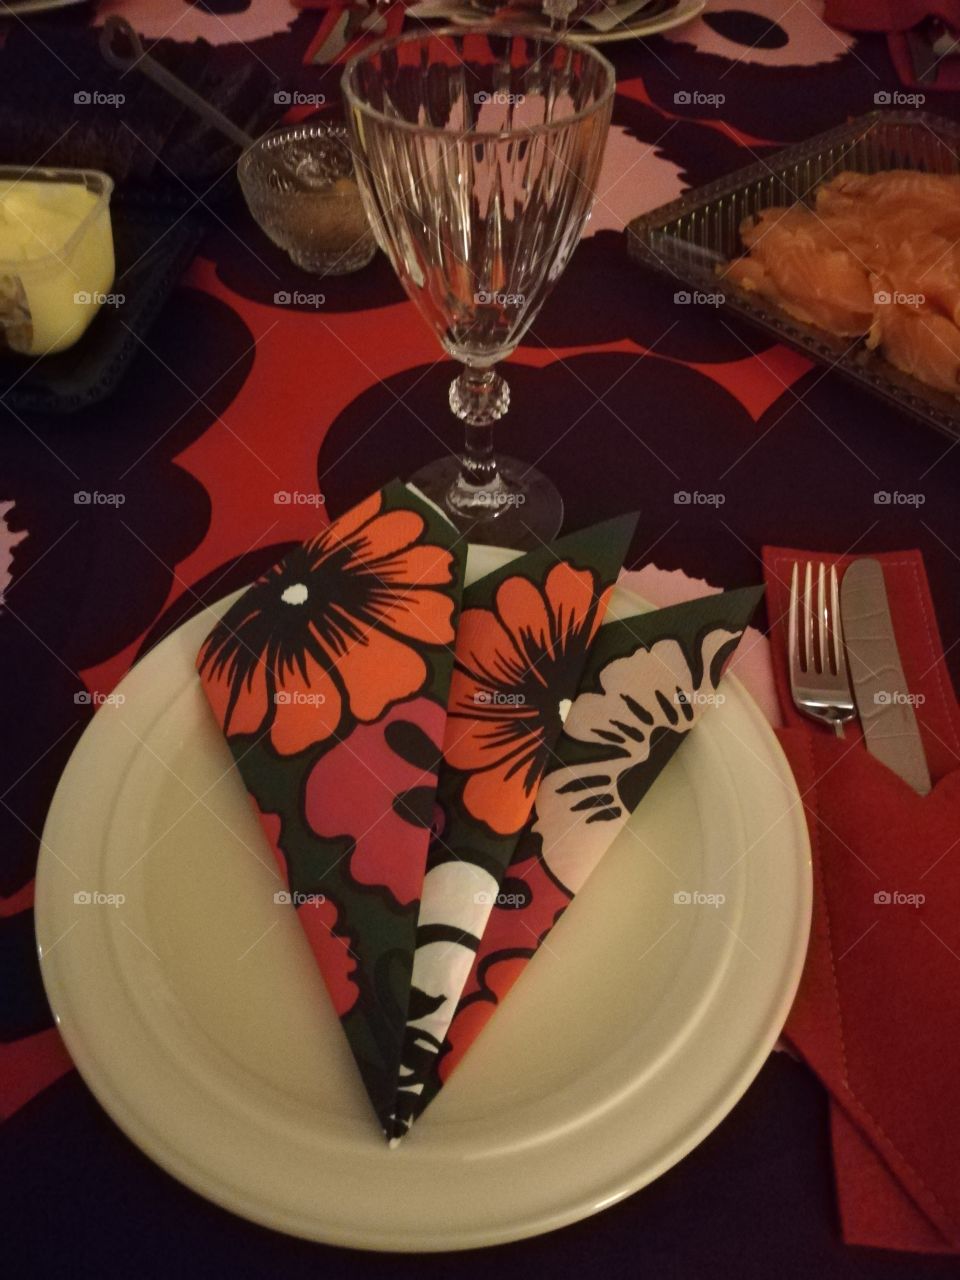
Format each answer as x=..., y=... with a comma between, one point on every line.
x=846, y=246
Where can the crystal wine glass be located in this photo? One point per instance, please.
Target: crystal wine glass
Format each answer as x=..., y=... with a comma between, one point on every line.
x=477, y=152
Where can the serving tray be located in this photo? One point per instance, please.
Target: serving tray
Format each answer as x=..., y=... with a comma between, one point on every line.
x=693, y=237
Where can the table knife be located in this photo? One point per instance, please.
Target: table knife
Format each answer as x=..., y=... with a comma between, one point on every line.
x=884, y=705
x=923, y=58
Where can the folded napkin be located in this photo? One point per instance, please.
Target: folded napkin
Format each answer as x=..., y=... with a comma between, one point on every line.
x=347, y=28
x=897, y=18
x=329, y=678
x=525, y=634
x=888, y=15
x=877, y=1016
x=343, y=680
x=648, y=680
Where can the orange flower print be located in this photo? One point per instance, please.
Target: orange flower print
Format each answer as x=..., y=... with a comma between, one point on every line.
x=516, y=673
x=337, y=626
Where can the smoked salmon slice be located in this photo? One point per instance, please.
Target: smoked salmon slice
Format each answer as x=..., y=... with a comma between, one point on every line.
x=874, y=256
x=922, y=343
x=806, y=270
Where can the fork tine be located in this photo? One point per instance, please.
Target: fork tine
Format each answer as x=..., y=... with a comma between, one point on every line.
x=819, y=681
x=823, y=660
x=808, y=655
x=836, y=623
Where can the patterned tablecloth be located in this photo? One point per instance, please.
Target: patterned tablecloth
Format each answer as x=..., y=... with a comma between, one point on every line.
x=253, y=395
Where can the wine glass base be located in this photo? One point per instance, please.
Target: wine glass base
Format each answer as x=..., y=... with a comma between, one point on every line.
x=524, y=514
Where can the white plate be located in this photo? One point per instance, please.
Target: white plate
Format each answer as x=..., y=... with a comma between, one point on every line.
x=195, y=1013
x=15, y=10
x=637, y=29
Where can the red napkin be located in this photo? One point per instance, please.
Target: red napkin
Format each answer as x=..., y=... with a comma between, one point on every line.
x=947, y=69
x=888, y=15
x=877, y=1016
x=393, y=18
x=897, y=17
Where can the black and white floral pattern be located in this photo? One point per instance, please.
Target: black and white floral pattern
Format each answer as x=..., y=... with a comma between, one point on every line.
x=646, y=698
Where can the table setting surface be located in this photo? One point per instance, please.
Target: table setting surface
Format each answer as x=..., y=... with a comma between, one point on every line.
x=264, y=405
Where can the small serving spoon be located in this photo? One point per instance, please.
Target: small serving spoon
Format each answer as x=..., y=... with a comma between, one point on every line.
x=122, y=48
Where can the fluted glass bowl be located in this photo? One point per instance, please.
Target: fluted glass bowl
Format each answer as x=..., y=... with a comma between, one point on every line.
x=299, y=186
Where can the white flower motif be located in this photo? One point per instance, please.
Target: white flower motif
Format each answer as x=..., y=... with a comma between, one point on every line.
x=296, y=593
x=8, y=540
x=649, y=700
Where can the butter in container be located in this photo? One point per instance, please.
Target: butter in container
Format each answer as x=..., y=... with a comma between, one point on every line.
x=56, y=255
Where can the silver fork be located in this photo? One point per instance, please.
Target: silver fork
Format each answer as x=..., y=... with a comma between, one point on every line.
x=819, y=680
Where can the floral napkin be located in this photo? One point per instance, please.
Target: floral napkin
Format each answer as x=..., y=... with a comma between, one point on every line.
x=525, y=635
x=647, y=681
x=370, y=719
x=329, y=678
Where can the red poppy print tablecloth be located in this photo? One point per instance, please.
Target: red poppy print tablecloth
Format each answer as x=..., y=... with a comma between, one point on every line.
x=263, y=405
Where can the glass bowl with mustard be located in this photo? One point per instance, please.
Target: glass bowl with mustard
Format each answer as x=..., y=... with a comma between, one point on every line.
x=299, y=186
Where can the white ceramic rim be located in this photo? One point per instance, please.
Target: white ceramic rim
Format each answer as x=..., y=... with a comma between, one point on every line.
x=123, y=1099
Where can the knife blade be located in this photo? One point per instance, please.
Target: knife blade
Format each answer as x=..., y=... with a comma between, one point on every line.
x=923, y=58
x=884, y=705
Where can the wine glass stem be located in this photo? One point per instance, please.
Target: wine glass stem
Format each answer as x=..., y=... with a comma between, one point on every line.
x=479, y=397
x=478, y=464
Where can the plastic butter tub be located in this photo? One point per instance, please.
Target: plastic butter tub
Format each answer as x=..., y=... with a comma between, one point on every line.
x=56, y=255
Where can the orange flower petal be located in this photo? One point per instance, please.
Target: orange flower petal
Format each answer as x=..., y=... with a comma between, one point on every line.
x=378, y=670
x=481, y=744
x=524, y=611
x=571, y=595
x=499, y=798
x=462, y=698
x=485, y=647
x=308, y=709
x=251, y=706
x=480, y=732
x=426, y=566
x=386, y=535
x=421, y=614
